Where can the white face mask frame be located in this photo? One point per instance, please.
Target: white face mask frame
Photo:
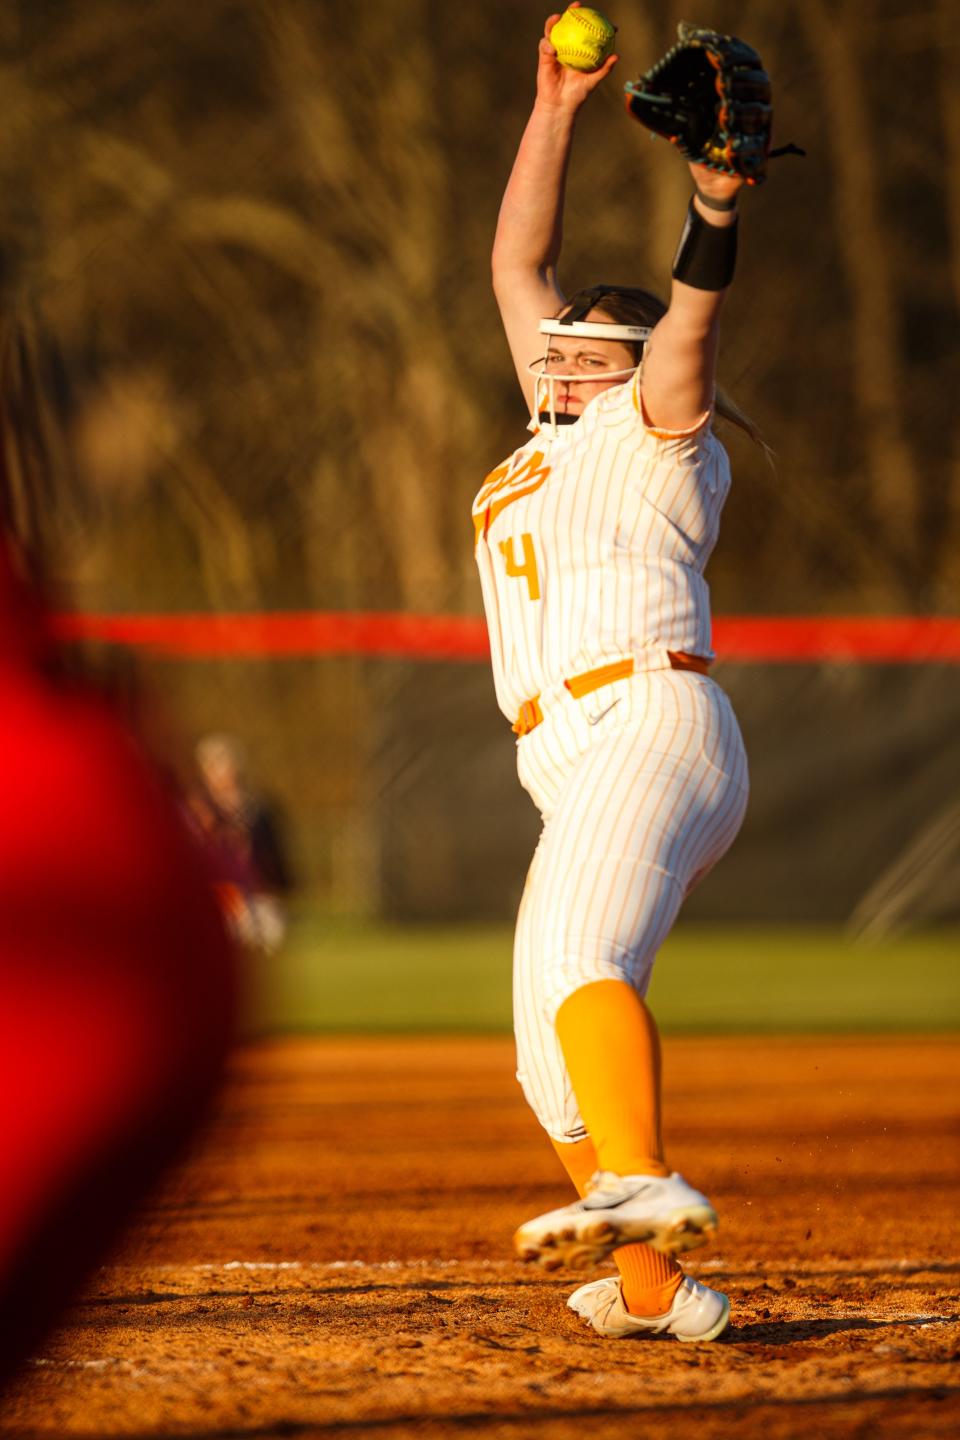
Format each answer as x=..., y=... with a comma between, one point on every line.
x=583, y=330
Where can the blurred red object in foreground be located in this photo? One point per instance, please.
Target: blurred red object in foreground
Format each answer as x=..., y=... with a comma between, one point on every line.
x=116, y=977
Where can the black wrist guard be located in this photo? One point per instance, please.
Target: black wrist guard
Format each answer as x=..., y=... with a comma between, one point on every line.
x=712, y=203
x=707, y=254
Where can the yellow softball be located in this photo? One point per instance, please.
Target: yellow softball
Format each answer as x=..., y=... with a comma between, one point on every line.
x=582, y=38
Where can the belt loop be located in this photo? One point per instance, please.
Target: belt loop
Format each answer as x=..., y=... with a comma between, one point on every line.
x=529, y=718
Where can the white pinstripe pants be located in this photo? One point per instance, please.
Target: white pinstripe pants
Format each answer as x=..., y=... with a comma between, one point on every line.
x=643, y=787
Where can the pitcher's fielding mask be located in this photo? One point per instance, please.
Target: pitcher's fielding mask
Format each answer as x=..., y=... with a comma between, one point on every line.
x=632, y=315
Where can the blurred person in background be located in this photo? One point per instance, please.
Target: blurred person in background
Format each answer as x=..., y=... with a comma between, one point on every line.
x=245, y=837
x=226, y=858
x=117, y=979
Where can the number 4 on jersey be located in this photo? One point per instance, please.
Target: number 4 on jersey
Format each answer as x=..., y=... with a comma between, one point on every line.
x=528, y=570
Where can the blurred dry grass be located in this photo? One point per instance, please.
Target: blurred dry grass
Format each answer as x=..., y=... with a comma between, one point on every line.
x=269, y=230
x=251, y=358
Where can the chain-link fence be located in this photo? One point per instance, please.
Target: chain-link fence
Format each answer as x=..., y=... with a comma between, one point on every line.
x=397, y=781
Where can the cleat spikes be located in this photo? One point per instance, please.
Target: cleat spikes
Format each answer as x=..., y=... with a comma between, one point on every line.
x=664, y=1212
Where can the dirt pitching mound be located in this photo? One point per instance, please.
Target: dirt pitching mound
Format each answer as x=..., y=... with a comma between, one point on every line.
x=335, y=1257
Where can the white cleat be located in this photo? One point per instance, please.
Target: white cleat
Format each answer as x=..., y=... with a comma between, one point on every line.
x=666, y=1213
x=697, y=1312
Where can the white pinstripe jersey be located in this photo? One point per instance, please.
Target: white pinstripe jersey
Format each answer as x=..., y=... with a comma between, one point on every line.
x=591, y=545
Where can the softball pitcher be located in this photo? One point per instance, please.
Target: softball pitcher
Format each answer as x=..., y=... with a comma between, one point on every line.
x=592, y=540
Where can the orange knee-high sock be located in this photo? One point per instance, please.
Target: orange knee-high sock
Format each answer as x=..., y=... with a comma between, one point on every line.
x=649, y=1280
x=612, y=1053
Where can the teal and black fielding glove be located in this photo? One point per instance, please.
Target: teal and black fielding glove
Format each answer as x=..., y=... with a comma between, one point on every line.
x=711, y=97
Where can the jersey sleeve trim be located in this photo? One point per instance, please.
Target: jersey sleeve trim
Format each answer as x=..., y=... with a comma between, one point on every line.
x=659, y=433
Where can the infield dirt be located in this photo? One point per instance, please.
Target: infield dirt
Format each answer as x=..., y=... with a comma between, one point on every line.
x=335, y=1257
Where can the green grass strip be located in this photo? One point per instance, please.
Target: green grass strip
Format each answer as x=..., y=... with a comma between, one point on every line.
x=341, y=977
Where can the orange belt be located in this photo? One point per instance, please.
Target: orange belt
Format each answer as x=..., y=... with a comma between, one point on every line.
x=579, y=685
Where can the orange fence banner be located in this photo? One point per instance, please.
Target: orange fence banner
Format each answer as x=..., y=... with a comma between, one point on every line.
x=739, y=639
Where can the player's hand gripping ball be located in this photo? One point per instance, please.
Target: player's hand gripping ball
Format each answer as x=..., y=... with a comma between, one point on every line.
x=582, y=38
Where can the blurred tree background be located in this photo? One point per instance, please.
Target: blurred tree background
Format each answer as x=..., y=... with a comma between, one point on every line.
x=245, y=260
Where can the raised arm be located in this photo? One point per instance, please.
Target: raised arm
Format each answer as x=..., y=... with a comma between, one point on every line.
x=679, y=367
x=526, y=249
